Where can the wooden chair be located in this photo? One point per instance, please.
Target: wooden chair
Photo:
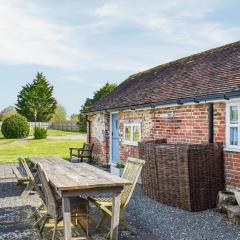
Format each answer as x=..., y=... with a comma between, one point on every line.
x=32, y=184
x=79, y=206
x=82, y=153
x=131, y=172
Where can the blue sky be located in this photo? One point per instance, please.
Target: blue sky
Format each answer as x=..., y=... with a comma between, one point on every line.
x=81, y=44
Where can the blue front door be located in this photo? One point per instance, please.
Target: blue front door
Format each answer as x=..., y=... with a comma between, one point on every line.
x=115, y=139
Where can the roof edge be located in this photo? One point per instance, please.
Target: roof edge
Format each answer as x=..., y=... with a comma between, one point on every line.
x=179, y=101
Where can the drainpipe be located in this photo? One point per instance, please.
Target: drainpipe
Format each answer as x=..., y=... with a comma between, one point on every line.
x=210, y=123
x=89, y=129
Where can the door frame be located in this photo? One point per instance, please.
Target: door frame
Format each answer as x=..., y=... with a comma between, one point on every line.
x=110, y=139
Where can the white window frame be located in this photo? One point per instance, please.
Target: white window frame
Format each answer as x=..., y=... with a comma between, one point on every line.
x=131, y=125
x=229, y=125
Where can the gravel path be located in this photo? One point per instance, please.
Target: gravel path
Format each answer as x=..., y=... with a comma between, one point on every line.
x=151, y=220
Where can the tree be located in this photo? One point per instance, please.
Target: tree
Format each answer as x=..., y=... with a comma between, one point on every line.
x=7, y=112
x=74, y=117
x=106, y=89
x=35, y=101
x=60, y=114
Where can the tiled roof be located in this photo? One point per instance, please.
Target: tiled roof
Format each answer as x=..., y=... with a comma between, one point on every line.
x=213, y=72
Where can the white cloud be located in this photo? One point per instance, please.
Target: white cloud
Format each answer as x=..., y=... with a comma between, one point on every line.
x=30, y=35
x=29, y=39
x=184, y=22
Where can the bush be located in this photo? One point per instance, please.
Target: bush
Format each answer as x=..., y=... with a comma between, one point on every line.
x=15, y=126
x=40, y=133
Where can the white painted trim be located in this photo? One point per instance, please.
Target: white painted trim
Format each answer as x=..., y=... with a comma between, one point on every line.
x=229, y=147
x=231, y=150
x=110, y=139
x=131, y=125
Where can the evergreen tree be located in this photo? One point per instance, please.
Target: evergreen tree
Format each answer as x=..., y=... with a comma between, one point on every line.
x=36, y=100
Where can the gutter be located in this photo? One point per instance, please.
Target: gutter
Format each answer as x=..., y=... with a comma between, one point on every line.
x=210, y=123
x=179, y=101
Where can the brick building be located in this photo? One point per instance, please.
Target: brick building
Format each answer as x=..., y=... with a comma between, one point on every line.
x=191, y=100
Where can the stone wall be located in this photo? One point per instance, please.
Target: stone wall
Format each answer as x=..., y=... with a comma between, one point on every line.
x=99, y=127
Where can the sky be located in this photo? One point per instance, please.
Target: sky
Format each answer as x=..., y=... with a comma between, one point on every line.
x=80, y=45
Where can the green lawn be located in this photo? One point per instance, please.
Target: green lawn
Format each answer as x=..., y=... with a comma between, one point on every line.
x=52, y=132
x=12, y=151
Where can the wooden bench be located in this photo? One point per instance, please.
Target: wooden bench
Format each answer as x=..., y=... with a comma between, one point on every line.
x=20, y=174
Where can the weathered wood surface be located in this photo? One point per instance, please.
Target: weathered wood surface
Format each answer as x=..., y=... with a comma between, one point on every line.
x=64, y=175
x=20, y=174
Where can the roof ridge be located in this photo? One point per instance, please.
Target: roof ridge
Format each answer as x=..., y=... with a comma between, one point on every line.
x=186, y=58
x=205, y=73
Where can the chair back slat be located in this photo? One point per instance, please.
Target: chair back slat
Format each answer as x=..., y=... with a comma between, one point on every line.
x=50, y=199
x=131, y=172
x=32, y=179
x=24, y=164
x=89, y=148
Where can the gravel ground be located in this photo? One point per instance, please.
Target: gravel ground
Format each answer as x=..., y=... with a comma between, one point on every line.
x=150, y=220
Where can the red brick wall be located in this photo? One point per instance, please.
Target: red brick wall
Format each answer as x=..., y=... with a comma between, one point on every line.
x=189, y=125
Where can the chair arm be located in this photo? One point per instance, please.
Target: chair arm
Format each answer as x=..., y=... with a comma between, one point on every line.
x=76, y=149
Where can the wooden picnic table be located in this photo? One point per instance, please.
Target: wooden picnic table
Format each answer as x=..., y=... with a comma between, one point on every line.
x=71, y=180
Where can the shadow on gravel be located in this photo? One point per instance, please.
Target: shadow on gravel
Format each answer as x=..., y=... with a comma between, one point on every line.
x=10, y=189
x=14, y=223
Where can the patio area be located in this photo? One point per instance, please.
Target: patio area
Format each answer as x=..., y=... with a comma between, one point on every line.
x=150, y=220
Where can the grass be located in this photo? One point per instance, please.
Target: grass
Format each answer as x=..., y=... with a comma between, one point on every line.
x=53, y=132
x=11, y=149
x=60, y=148
x=5, y=141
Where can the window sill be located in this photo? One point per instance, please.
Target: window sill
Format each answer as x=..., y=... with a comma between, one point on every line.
x=134, y=144
x=228, y=149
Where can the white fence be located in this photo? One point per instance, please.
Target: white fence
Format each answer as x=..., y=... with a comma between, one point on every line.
x=66, y=126
x=40, y=124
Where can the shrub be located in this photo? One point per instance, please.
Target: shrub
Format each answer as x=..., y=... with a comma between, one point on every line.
x=40, y=133
x=15, y=126
x=120, y=165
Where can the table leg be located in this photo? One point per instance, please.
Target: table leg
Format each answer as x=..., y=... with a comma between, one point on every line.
x=66, y=218
x=115, y=215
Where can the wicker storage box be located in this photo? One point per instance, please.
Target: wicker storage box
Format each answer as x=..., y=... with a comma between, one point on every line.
x=181, y=175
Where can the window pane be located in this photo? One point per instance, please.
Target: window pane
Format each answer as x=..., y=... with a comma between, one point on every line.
x=233, y=136
x=233, y=114
x=136, y=133
x=127, y=133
